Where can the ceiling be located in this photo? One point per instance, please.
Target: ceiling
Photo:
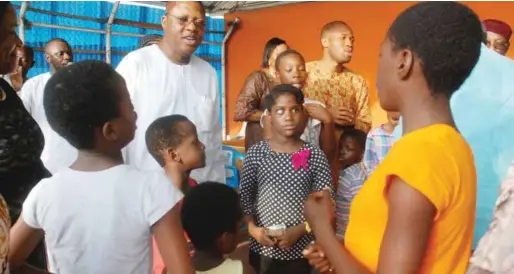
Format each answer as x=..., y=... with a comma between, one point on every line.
x=221, y=7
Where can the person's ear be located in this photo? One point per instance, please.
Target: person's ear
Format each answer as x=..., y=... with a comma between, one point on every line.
x=164, y=21
x=405, y=63
x=109, y=132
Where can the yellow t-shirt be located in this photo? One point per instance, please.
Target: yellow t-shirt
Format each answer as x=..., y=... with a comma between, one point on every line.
x=437, y=162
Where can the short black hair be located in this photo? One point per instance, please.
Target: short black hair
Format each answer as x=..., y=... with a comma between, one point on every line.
x=445, y=36
x=209, y=210
x=80, y=98
x=355, y=134
x=147, y=39
x=278, y=90
x=269, y=48
x=163, y=133
x=286, y=53
x=332, y=25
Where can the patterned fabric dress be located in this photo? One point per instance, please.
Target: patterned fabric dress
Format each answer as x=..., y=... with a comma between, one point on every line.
x=251, y=99
x=274, y=191
x=5, y=225
x=345, y=89
x=495, y=251
x=21, y=144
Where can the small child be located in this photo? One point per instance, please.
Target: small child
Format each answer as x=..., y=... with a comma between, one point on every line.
x=351, y=176
x=278, y=175
x=173, y=142
x=379, y=142
x=319, y=130
x=98, y=215
x=212, y=217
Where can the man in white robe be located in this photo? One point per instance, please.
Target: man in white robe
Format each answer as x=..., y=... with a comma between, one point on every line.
x=57, y=153
x=166, y=78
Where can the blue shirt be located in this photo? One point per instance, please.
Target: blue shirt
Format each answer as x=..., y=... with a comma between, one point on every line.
x=483, y=109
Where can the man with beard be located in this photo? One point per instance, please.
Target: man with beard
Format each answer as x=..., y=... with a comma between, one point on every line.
x=343, y=91
x=167, y=78
x=58, y=153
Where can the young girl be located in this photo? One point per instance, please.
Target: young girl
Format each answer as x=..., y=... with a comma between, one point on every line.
x=319, y=131
x=415, y=213
x=278, y=175
x=98, y=215
x=212, y=217
x=173, y=142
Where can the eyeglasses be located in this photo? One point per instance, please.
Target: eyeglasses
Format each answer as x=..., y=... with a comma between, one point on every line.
x=497, y=45
x=185, y=21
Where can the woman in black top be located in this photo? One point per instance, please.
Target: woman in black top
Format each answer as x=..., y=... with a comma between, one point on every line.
x=21, y=139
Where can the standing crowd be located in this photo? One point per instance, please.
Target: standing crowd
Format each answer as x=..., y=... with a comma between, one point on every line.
x=320, y=191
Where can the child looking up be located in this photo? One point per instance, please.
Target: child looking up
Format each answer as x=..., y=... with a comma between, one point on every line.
x=173, y=142
x=379, y=141
x=212, y=217
x=319, y=131
x=278, y=175
x=351, y=176
x=98, y=215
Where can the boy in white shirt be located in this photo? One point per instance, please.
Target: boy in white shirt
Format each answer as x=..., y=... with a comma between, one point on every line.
x=99, y=214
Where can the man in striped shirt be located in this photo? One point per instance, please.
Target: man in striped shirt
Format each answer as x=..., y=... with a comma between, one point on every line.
x=379, y=142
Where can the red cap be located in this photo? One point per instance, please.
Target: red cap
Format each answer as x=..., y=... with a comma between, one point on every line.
x=498, y=27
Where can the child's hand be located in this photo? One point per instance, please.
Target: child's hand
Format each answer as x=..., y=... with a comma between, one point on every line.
x=317, y=258
x=318, y=112
x=319, y=209
x=259, y=234
x=291, y=236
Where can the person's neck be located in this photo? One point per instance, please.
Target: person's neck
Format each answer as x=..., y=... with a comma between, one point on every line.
x=207, y=260
x=285, y=144
x=328, y=64
x=177, y=174
x=435, y=110
x=174, y=56
x=88, y=160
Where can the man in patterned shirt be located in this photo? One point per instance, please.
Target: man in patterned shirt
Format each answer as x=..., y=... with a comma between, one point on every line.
x=379, y=142
x=343, y=91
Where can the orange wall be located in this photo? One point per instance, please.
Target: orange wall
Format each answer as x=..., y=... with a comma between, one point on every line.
x=300, y=25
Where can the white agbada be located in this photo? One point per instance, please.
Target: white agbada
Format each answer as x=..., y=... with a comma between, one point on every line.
x=57, y=153
x=159, y=87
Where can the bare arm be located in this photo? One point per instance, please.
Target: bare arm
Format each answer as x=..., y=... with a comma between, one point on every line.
x=169, y=236
x=327, y=141
x=23, y=240
x=405, y=240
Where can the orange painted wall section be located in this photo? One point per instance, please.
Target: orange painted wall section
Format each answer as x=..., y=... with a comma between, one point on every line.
x=300, y=25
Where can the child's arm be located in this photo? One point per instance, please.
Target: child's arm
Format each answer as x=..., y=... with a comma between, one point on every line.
x=327, y=140
x=169, y=236
x=247, y=269
x=23, y=240
x=248, y=189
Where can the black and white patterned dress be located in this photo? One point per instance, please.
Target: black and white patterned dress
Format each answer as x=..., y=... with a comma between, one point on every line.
x=273, y=191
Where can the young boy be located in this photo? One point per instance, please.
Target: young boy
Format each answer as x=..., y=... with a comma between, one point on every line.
x=173, y=142
x=351, y=176
x=98, y=215
x=379, y=142
x=319, y=129
x=212, y=217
